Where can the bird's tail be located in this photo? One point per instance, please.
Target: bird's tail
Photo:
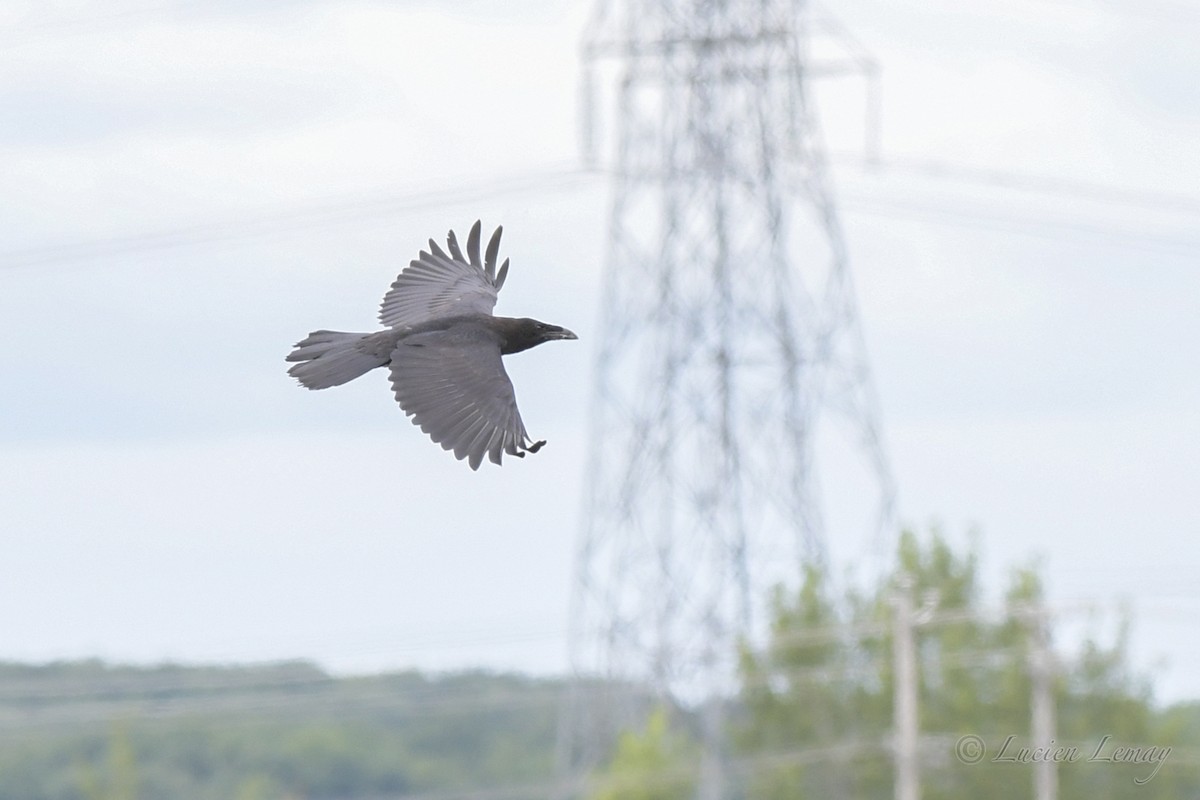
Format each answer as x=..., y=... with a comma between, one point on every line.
x=331, y=358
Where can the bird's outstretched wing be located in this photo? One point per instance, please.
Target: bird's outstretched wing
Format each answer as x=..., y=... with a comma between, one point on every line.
x=453, y=385
x=437, y=284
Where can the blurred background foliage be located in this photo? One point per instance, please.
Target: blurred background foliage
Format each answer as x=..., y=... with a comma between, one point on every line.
x=812, y=719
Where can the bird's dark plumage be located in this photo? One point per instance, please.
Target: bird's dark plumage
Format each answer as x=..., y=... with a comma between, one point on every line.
x=443, y=349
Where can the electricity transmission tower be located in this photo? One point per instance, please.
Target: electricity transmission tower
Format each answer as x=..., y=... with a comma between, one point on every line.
x=730, y=328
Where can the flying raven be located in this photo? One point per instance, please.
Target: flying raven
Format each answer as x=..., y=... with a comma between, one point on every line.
x=443, y=347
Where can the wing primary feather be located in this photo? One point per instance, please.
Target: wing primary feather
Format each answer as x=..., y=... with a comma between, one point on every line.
x=439, y=281
x=452, y=242
x=479, y=444
x=495, y=444
x=466, y=439
x=473, y=244
x=493, y=249
x=457, y=427
x=500, y=276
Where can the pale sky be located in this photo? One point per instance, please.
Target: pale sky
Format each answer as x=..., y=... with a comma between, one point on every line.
x=187, y=189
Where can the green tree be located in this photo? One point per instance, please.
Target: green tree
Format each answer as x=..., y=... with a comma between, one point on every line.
x=817, y=700
x=656, y=763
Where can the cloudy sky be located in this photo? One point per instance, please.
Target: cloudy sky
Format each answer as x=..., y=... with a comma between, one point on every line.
x=186, y=189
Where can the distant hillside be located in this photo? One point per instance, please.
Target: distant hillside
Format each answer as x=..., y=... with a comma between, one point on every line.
x=93, y=731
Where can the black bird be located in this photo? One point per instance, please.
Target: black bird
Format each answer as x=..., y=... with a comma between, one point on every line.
x=443, y=348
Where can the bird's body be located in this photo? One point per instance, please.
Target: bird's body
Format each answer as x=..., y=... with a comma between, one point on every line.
x=443, y=349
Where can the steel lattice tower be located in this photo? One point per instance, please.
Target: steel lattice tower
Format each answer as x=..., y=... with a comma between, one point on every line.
x=729, y=327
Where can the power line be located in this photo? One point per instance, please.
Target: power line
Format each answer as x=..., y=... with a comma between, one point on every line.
x=349, y=209
x=1028, y=182
x=321, y=213
x=1040, y=228
x=30, y=30
x=353, y=208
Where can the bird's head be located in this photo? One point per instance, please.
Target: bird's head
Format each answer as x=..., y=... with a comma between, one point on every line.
x=526, y=333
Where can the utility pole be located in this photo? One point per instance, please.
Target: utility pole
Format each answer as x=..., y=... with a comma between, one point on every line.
x=1041, y=703
x=906, y=727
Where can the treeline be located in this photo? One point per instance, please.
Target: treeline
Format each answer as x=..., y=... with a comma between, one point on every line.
x=92, y=731
x=813, y=717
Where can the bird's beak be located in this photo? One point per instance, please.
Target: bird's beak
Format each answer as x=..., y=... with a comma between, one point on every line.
x=562, y=333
